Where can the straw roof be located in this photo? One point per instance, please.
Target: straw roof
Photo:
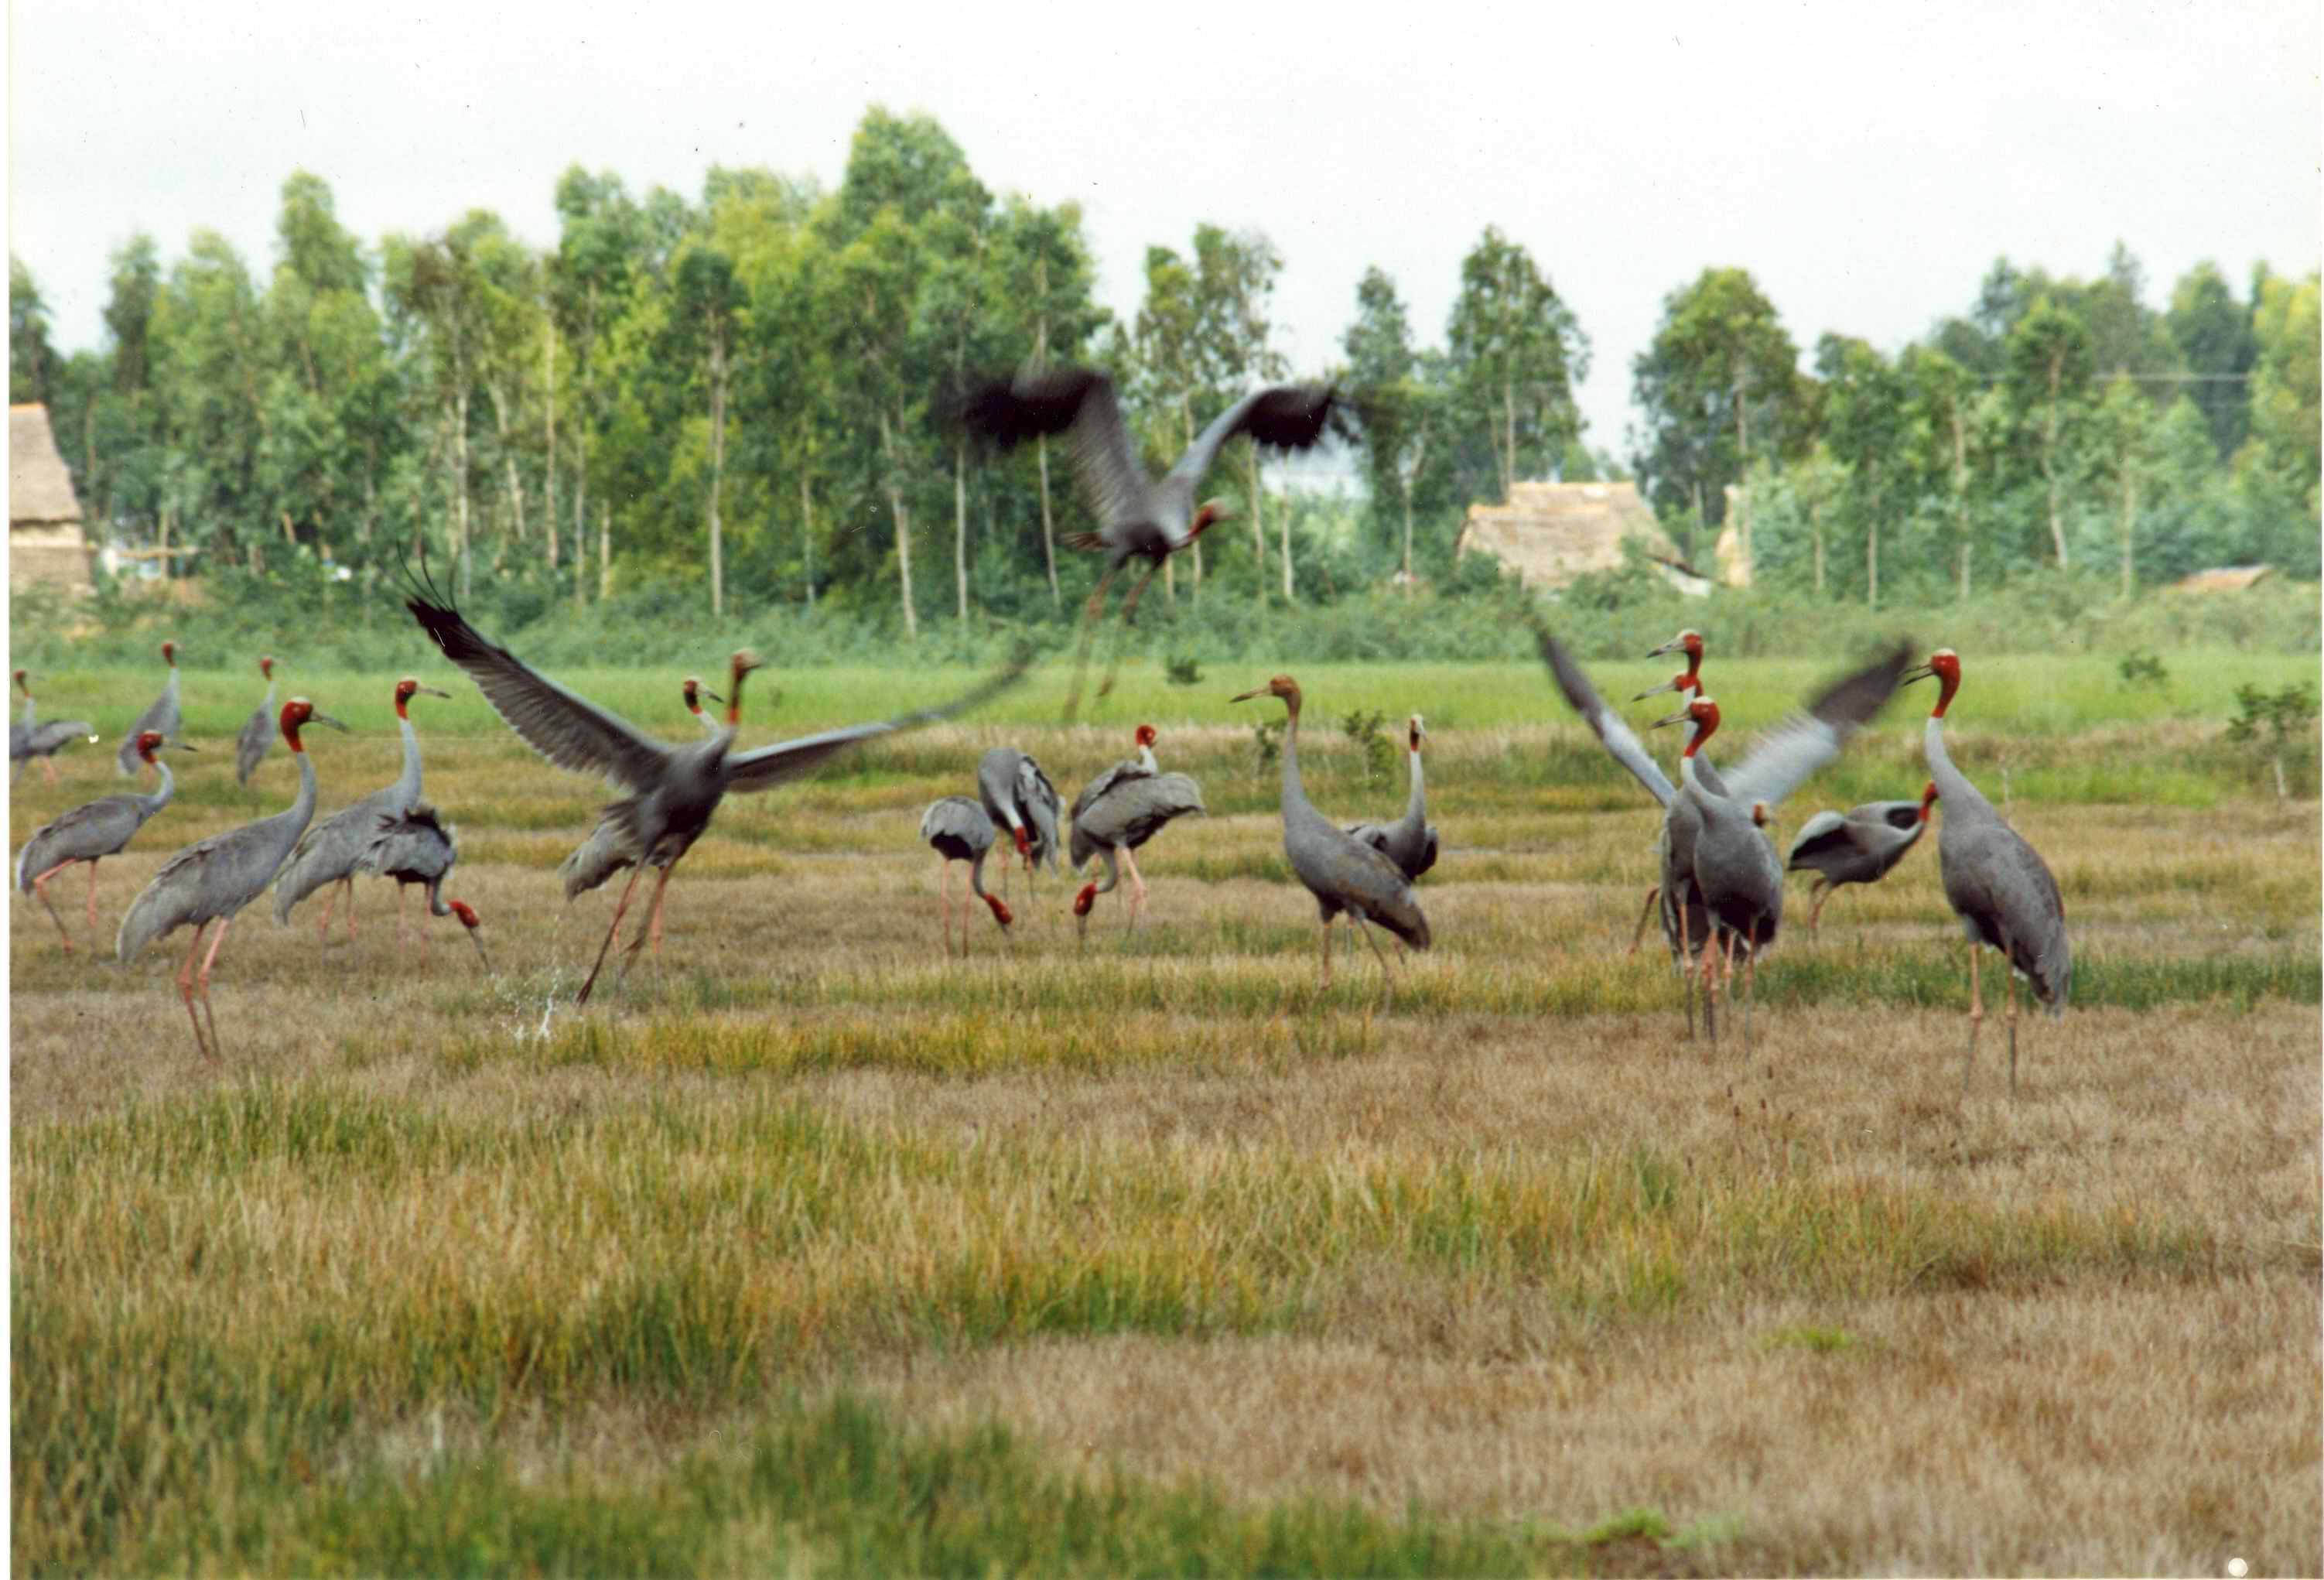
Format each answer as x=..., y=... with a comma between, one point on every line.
x=40, y=489
x=1551, y=532
x=2232, y=578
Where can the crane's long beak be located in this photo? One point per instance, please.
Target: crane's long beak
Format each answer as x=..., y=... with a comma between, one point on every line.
x=1926, y=672
x=171, y=745
x=705, y=691
x=1675, y=644
x=1680, y=717
x=325, y=718
x=487, y=960
x=1670, y=684
x=1246, y=696
x=431, y=692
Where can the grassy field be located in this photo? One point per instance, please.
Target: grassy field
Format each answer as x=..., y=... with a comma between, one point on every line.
x=810, y=1248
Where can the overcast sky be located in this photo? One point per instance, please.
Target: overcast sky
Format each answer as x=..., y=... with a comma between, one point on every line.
x=1867, y=163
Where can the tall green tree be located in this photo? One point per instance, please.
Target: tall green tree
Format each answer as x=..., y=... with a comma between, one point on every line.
x=2122, y=439
x=30, y=355
x=1050, y=301
x=2285, y=424
x=1864, y=424
x=1399, y=398
x=1513, y=352
x=2213, y=333
x=2049, y=388
x=1718, y=376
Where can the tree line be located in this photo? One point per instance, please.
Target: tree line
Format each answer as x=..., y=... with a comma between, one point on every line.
x=750, y=395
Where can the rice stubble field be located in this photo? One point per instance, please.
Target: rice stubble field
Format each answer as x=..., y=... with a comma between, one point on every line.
x=810, y=1246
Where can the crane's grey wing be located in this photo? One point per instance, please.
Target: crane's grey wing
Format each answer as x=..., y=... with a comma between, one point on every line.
x=1998, y=879
x=956, y=817
x=597, y=858
x=566, y=728
x=770, y=766
x=330, y=849
x=1376, y=889
x=164, y=902
x=1138, y=808
x=1039, y=797
x=1608, y=725
x=58, y=733
x=414, y=841
x=1798, y=748
x=1079, y=403
x=1288, y=416
x=1822, y=837
x=249, y=747
x=98, y=827
x=1427, y=853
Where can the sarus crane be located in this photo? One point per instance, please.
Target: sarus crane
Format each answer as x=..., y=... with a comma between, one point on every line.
x=338, y=849
x=1996, y=883
x=958, y=829
x=1342, y=872
x=213, y=879
x=673, y=789
x=29, y=738
x=1138, y=516
x=1118, y=810
x=415, y=846
x=1860, y=845
x=92, y=831
x=1021, y=801
x=596, y=860
x=258, y=732
x=160, y=718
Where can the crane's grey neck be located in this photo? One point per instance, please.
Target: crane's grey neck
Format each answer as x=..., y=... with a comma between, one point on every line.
x=1293, y=793
x=302, y=811
x=1112, y=871
x=161, y=798
x=172, y=688
x=976, y=872
x=1417, y=804
x=1146, y=759
x=1953, y=787
x=407, y=784
x=29, y=719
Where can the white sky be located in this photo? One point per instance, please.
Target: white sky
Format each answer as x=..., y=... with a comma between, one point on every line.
x=1866, y=162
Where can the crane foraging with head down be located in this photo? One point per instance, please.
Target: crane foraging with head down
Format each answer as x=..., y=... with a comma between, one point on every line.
x=161, y=716
x=415, y=846
x=1859, y=846
x=92, y=831
x=1996, y=883
x=1138, y=517
x=673, y=789
x=1342, y=872
x=1118, y=810
x=1021, y=801
x=29, y=738
x=213, y=879
x=959, y=830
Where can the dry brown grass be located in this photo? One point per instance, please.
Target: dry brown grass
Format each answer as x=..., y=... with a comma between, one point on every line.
x=1511, y=1248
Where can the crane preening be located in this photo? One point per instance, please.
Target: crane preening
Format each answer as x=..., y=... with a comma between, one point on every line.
x=1138, y=516
x=673, y=789
x=1859, y=846
x=213, y=879
x=1118, y=810
x=1996, y=883
x=92, y=831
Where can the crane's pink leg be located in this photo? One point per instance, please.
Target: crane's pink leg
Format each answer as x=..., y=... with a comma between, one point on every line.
x=330, y=899
x=653, y=920
x=1129, y=613
x=1824, y=889
x=1387, y=972
x=49, y=767
x=1137, y=888
x=40, y=888
x=1976, y=1014
x=2009, y=1016
x=186, y=989
x=207, y=1008
x=350, y=882
x=1710, y=988
x=1654, y=894
x=627, y=890
x=92, y=900
x=631, y=954
x=1089, y=613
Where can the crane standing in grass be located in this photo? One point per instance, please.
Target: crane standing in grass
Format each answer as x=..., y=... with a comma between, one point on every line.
x=958, y=829
x=92, y=831
x=213, y=879
x=1342, y=872
x=30, y=738
x=1138, y=517
x=161, y=716
x=338, y=848
x=1996, y=883
x=257, y=737
x=1019, y=796
x=1859, y=846
x=1118, y=811
x=673, y=789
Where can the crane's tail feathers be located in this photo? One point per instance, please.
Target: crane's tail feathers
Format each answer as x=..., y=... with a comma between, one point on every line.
x=1087, y=542
x=140, y=924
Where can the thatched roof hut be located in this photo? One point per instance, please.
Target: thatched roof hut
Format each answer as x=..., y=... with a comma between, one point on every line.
x=2232, y=578
x=1551, y=532
x=45, y=546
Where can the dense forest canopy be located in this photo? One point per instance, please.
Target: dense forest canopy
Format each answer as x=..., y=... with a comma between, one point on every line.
x=746, y=397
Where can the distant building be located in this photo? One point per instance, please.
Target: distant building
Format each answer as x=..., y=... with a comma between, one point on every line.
x=2232, y=578
x=1551, y=532
x=45, y=546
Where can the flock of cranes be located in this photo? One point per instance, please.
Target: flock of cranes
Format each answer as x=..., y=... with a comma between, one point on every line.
x=1719, y=883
